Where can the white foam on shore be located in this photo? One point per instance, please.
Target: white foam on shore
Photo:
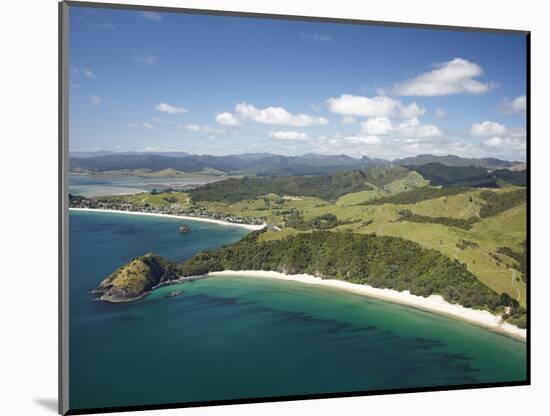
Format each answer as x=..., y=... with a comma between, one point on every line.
x=433, y=303
x=181, y=217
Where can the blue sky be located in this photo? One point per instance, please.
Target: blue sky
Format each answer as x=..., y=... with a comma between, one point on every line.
x=146, y=81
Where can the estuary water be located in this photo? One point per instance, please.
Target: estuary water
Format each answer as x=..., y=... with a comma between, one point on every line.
x=237, y=337
x=92, y=186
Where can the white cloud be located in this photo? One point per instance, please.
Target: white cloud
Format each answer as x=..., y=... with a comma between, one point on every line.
x=516, y=106
x=507, y=143
x=352, y=105
x=379, y=106
x=192, y=127
x=227, y=119
x=440, y=113
x=453, y=77
x=155, y=17
x=88, y=73
x=493, y=141
x=145, y=58
x=319, y=37
x=516, y=132
x=501, y=140
x=383, y=126
x=377, y=126
x=170, y=109
x=95, y=100
x=411, y=110
x=414, y=128
x=102, y=26
x=348, y=120
x=396, y=146
x=202, y=129
x=487, y=128
x=370, y=140
x=145, y=125
x=287, y=135
x=277, y=116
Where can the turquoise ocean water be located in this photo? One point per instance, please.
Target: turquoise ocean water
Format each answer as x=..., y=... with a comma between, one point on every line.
x=234, y=337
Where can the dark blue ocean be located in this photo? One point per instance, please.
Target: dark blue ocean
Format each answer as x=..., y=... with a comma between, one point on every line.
x=233, y=337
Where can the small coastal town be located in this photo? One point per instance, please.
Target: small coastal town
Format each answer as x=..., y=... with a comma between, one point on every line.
x=76, y=201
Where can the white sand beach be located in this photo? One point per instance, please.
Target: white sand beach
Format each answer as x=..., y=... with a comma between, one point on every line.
x=180, y=217
x=434, y=303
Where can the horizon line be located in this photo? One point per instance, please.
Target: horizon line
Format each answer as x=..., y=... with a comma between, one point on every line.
x=122, y=152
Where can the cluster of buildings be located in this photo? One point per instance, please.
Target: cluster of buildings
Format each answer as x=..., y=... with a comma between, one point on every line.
x=76, y=201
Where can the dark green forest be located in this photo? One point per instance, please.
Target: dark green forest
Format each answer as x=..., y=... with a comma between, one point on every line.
x=520, y=258
x=500, y=202
x=469, y=176
x=382, y=262
x=465, y=224
x=327, y=187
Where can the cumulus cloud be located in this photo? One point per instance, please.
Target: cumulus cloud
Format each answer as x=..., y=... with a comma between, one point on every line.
x=370, y=140
x=170, y=109
x=414, y=128
x=379, y=106
x=192, y=127
x=287, y=135
x=95, y=100
x=516, y=106
x=277, y=116
x=516, y=132
x=440, y=113
x=396, y=146
x=319, y=37
x=377, y=126
x=508, y=143
x=145, y=58
x=383, y=126
x=487, y=128
x=102, y=26
x=88, y=73
x=145, y=125
x=493, y=141
x=227, y=119
x=453, y=77
x=410, y=111
x=153, y=16
x=202, y=129
x=348, y=120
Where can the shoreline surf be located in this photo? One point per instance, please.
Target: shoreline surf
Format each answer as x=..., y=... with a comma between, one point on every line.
x=251, y=227
x=433, y=303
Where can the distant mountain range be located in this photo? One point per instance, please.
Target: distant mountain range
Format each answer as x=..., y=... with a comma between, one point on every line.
x=262, y=164
x=110, y=152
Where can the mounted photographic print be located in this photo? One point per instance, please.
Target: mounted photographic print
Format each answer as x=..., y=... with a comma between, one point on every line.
x=263, y=208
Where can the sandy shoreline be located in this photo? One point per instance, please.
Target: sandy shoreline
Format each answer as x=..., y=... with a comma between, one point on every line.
x=180, y=217
x=434, y=303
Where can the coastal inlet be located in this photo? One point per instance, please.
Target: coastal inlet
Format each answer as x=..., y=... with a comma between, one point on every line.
x=308, y=339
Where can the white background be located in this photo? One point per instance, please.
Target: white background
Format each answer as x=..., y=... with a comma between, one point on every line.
x=28, y=140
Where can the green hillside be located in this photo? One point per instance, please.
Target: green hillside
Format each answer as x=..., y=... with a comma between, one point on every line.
x=484, y=229
x=327, y=187
x=135, y=278
x=378, y=261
